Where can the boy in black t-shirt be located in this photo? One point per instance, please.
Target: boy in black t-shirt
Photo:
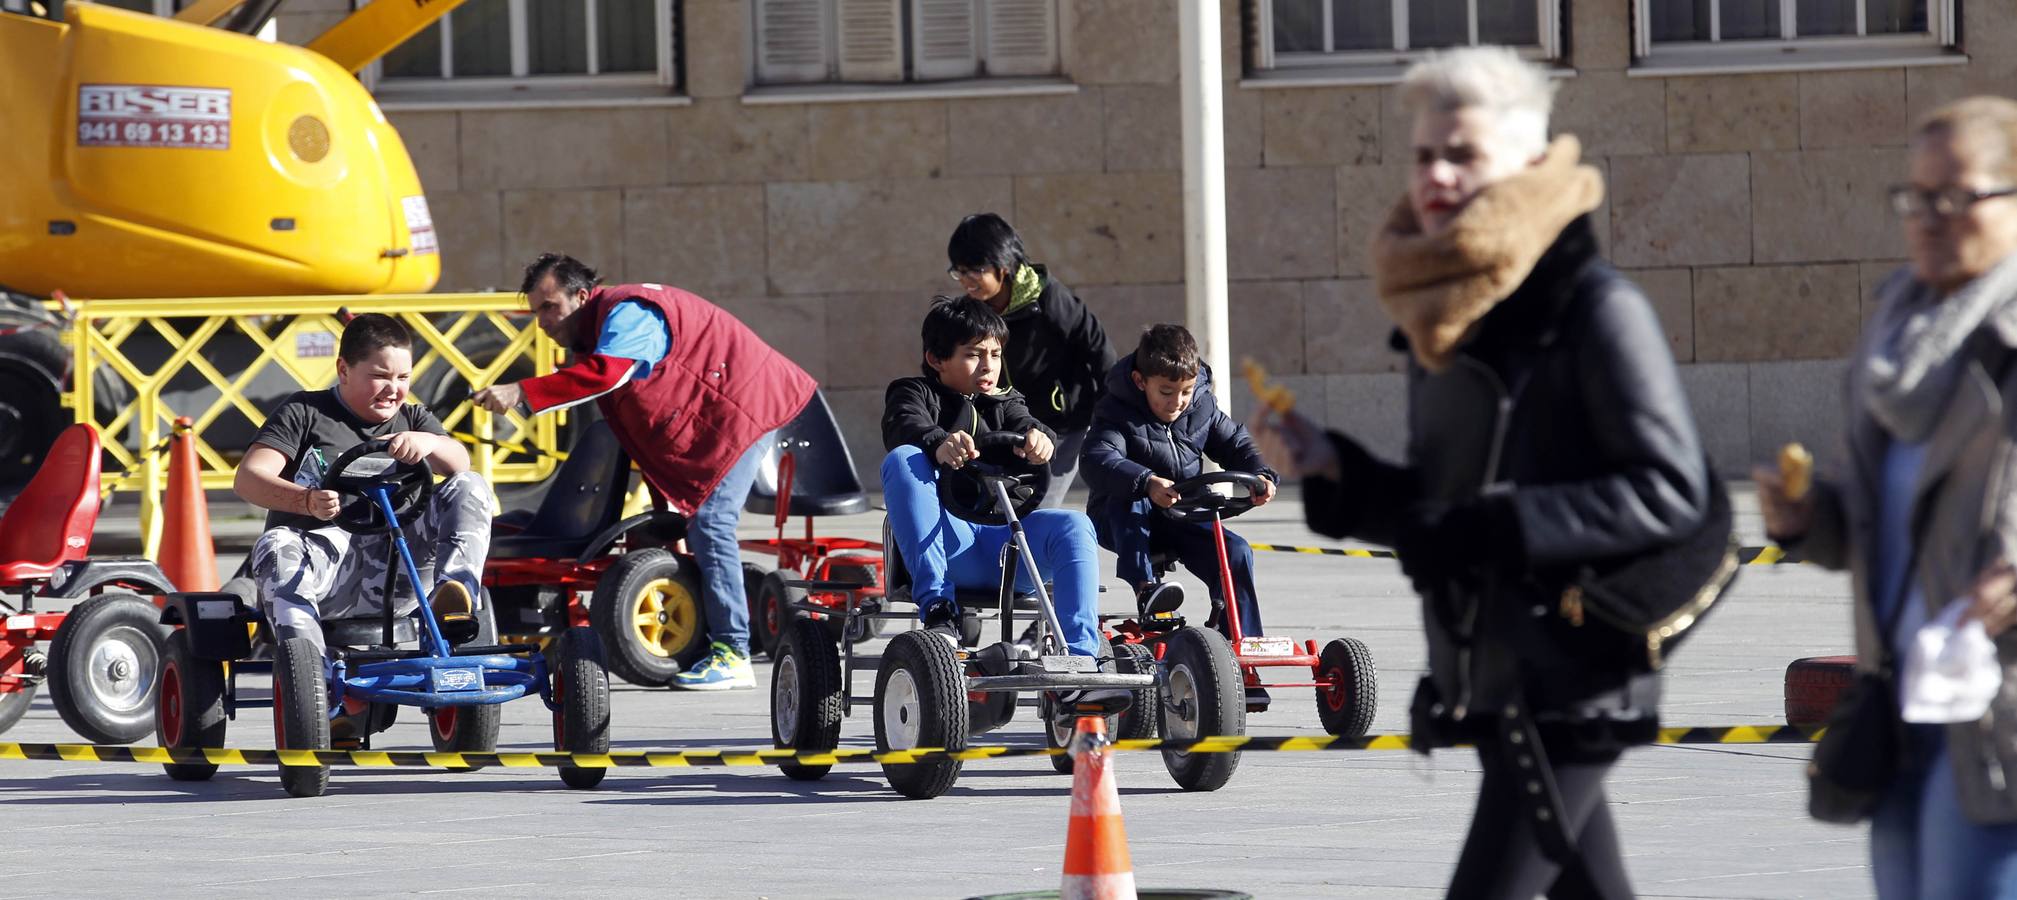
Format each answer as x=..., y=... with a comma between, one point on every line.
x=304, y=565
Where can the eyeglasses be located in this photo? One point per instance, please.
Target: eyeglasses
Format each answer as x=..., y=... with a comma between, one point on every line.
x=963, y=273
x=1911, y=203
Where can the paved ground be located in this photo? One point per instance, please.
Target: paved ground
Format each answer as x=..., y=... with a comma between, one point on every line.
x=1698, y=822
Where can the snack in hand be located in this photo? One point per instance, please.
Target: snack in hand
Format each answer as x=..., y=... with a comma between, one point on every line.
x=1796, y=470
x=1278, y=399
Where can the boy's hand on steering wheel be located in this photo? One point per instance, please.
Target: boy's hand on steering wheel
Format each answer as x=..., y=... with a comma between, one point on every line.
x=321, y=504
x=409, y=446
x=1162, y=491
x=955, y=450
x=1036, y=447
x=1267, y=491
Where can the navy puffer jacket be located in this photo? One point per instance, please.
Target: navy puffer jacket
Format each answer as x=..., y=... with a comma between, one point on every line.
x=1128, y=443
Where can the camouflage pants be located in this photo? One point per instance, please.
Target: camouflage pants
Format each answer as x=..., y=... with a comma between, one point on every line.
x=306, y=575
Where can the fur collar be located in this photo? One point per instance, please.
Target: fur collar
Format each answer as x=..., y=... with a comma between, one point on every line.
x=1436, y=289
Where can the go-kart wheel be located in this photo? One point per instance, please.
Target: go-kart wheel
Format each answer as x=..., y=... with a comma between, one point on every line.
x=581, y=690
x=103, y=667
x=1140, y=720
x=771, y=612
x=300, y=713
x=1058, y=731
x=1202, y=696
x=15, y=704
x=189, y=706
x=647, y=611
x=752, y=588
x=1346, y=707
x=806, y=705
x=469, y=729
x=920, y=701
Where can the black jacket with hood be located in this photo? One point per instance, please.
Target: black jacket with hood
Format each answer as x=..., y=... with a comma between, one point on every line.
x=922, y=411
x=1057, y=355
x=1128, y=443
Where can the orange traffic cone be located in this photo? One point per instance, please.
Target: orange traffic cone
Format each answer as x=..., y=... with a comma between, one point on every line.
x=187, y=556
x=1096, y=847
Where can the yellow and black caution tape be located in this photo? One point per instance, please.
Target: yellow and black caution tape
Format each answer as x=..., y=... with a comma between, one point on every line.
x=1750, y=556
x=623, y=759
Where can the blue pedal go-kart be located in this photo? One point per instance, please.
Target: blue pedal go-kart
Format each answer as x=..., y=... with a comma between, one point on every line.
x=384, y=660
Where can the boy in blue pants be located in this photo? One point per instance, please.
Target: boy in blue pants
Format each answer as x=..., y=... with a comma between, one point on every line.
x=1155, y=427
x=932, y=420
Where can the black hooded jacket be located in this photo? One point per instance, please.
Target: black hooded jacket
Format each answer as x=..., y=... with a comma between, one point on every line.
x=1057, y=355
x=922, y=411
x=1128, y=443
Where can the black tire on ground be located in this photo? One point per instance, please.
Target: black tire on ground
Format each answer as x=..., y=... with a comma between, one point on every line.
x=189, y=706
x=104, y=666
x=1140, y=720
x=752, y=582
x=469, y=729
x=581, y=689
x=1813, y=687
x=15, y=704
x=920, y=701
x=648, y=613
x=806, y=705
x=32, y=364
x=1058, y=733
x=1347, y=708
x=300, y=713
x=1202, y=680
x=770, y=609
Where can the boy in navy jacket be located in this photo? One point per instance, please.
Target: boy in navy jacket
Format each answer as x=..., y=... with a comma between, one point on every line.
x=1154, y=427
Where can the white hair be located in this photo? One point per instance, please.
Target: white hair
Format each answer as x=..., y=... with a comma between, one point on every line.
x=1517, y=93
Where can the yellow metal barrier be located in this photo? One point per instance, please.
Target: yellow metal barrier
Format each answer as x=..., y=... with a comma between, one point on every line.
x=228, y=345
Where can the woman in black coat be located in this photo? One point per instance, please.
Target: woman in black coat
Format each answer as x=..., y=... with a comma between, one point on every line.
x=1546, y=430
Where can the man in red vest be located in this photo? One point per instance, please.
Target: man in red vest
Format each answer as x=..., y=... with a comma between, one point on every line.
x=693, y=396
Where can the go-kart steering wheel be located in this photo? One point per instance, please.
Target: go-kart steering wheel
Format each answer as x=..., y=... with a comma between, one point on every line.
x=1196, y=501
x=367, y=466
x=968, y=491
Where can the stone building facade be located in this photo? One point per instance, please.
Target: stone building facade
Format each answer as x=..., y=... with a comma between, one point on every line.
x=1746, y=198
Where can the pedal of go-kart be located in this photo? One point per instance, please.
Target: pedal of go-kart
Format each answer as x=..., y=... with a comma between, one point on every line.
x=827, y=586
x=1168, y=621
x=1106, y=706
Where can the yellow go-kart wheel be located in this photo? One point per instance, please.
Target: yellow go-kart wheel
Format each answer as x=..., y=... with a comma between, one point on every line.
x=647, y=612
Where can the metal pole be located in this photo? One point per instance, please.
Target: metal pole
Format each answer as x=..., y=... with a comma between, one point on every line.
x=1204, y=139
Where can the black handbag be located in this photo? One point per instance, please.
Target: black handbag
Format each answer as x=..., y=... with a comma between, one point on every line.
x=1647, y=603
x=1861, y=750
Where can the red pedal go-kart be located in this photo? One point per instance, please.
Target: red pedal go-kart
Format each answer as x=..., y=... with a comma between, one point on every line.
x=103, y=653
x=1343, y=675
x=812, y=467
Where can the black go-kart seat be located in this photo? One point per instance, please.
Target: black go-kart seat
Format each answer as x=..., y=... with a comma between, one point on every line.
x=586, y=497
x=971, y=600
x=823, y=482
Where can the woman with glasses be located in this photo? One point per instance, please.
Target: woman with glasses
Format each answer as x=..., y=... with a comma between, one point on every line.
x=1925, y=515
x=1057, y=354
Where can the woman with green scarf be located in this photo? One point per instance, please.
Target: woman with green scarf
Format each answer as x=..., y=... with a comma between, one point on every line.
x=1057, y=353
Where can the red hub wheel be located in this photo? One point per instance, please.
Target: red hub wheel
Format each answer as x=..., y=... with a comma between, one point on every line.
x=171, y=705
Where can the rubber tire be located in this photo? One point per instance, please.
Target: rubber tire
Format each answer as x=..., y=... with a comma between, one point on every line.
x=196, y=686
x=89, y=623
x=471, y=729
x=770, y=611
x=610, y=611
x=1348, y=713
x=31, y=363
x=15, y=704
x=300, y=713
x=1139, y=721
x=1813, y=687
x=752, y=583
x=810, y=659
x=941, y=686
x=581, y=689
x=1205, y=659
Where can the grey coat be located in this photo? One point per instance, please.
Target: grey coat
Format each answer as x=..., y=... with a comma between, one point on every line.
x=1964, y=516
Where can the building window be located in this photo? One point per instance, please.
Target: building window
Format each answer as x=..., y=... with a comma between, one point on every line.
x=810, y=41
x=1696, y=36
x=1383, y=36
x=524, y=45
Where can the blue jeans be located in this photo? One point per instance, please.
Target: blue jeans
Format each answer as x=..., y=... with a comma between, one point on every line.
x=943, y=551
x=1135, y=529
x=711, y=537
x=1922, y=846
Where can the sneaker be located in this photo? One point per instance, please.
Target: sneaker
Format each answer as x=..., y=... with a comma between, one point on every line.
x=722, y=669
x=454, y=611
x=1159, y=597
x=942, y=619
